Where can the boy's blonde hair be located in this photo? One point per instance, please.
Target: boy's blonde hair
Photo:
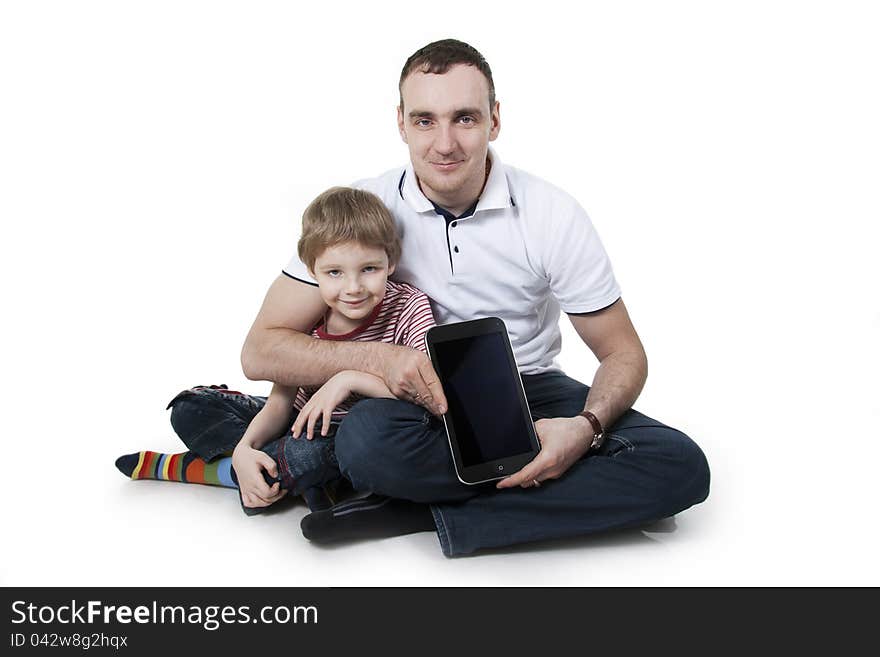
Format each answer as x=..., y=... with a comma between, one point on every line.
x=344, y=214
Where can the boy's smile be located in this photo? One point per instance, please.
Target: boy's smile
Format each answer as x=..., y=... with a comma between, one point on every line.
x=351, y=279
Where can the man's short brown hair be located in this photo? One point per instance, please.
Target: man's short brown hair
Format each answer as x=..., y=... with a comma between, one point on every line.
x=439, y=56
x=344, y=214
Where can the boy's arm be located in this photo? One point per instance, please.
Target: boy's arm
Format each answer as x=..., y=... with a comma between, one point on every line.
x=366, y=384
x=247, y=459
x=278, y=348
x=273, y=419
x=330, y=395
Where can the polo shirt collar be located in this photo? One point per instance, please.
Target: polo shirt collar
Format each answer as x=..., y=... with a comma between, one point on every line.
x=496, y=194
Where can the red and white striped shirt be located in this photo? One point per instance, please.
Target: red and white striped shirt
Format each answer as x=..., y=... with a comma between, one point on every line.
x=402, y=317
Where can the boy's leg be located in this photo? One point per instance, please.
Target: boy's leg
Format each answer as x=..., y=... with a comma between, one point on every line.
x=307, y=467
x=186, y=467
x=210, y=420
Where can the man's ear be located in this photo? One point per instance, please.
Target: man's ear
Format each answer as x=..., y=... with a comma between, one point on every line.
x=496, y=122
x=400, y=127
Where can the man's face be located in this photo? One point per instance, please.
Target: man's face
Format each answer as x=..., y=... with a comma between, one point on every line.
x=447, y=123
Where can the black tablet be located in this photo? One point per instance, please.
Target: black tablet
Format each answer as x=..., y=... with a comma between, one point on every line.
x=488, y=422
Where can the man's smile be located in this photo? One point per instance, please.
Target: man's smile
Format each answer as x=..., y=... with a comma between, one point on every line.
x=447, y=166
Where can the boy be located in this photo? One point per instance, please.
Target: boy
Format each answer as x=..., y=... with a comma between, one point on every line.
x=350, y=246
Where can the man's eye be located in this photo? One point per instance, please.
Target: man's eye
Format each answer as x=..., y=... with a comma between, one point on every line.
x=423, y=123
x=467, y=120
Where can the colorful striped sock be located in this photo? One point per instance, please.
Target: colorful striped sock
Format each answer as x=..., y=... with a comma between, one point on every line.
x=185, y=467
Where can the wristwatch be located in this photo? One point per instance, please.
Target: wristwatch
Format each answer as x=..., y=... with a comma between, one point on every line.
x=598, y=431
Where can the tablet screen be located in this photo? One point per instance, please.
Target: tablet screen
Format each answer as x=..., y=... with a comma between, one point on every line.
x=483, y=398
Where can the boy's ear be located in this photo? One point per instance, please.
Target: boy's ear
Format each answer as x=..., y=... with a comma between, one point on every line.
x=391, y=269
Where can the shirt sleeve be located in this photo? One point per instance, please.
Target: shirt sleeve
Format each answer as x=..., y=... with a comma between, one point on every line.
x=577, y=266
x=296, y=269
x=415, y=320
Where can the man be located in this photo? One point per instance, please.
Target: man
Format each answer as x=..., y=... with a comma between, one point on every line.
x=483, y=239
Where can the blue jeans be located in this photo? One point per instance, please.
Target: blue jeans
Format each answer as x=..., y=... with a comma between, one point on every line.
x=210, y=421
x=645, y=471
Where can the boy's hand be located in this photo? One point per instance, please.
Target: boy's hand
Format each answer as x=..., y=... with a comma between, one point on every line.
x=321, y=405
x=409, y=375
x=249, y=464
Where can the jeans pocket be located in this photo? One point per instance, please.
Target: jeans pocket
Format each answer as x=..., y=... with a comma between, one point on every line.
x=615, y=444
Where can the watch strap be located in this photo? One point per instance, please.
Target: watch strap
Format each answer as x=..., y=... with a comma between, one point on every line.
x=598, y=431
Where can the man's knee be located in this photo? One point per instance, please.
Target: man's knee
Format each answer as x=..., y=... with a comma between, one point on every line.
x=691, y=485
x=378, y=442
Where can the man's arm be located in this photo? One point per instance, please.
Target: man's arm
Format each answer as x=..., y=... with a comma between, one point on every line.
x=279, y=349
x=623, y=369
x=623, y=365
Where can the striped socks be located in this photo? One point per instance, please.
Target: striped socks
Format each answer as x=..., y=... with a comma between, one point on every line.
x=185, y=467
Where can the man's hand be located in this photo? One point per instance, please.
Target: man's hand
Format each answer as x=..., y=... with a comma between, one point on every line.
x=249, y=464
x=563, y=441
x=409, y=375
x=321, y=405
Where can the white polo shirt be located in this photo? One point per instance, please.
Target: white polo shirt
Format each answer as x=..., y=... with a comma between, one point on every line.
x=526, y=252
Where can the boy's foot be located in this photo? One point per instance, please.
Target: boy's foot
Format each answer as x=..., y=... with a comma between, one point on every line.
x=254, y=510
x=185, y=467
x=374, y=516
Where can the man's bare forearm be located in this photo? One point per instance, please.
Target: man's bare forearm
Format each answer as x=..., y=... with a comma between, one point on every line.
x=291, y=358
x=616, y=386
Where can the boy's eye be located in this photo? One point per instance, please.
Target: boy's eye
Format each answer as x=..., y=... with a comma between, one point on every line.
x=370, y=269
x=334, y=273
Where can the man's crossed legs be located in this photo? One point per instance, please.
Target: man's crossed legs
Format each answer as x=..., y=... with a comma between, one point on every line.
x=644, y=472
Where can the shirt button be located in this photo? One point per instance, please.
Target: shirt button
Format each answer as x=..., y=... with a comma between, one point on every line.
x=454, y=224
x=455, y=249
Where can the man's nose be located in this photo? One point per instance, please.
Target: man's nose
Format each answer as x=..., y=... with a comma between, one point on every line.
x=445, y=140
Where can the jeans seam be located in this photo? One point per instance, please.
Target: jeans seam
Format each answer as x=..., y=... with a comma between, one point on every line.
x=442, y=532
x=283, y=466
x=623, y=440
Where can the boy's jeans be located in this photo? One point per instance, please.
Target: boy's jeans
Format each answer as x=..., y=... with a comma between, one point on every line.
x=645, y=470
x=210, y=421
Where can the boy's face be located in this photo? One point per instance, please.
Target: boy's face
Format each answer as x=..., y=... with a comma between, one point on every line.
x=351, y=278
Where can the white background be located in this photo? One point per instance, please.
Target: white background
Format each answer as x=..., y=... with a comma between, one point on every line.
x=154, y=161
